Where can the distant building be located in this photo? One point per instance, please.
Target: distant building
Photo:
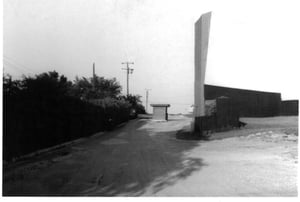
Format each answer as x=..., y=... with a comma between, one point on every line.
x=160, y=111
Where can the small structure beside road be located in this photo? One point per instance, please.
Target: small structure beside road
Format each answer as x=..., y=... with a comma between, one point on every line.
x=160, y=111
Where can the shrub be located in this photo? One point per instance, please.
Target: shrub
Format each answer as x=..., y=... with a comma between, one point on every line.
x=40, y=112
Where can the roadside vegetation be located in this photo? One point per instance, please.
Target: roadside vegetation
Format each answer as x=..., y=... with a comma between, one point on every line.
x=48, y=109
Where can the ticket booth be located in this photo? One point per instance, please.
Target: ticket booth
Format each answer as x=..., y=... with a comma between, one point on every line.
x=160, y=111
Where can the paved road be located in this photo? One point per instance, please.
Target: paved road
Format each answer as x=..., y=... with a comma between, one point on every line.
x=143, y=158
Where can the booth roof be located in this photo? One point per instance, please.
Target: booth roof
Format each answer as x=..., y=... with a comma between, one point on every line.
x=160, y=105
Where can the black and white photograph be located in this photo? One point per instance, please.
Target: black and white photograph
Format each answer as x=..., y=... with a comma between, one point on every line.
x=150, y=98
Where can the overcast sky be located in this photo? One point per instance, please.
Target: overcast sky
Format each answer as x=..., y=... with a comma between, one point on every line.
x=253, y=44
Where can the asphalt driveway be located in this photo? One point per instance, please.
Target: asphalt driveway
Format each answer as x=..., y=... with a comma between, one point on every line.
x=143, y=158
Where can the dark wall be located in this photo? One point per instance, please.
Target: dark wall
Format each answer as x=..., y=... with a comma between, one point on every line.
x=224, y=117
x=289, y=107
x=248, y=103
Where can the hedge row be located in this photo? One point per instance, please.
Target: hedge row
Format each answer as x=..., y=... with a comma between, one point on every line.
x=33, y=124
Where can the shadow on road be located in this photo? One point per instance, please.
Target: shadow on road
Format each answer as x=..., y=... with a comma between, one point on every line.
x=153, y=160
x=189, y=166
x=142, y=157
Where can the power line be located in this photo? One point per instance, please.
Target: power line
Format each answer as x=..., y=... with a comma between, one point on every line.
x=17, y=65
x=129, y=71
x=8, y=65
x=12, y=66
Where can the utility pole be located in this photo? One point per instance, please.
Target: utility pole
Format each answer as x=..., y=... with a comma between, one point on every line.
x=129, y=71
x=94, y=75
x=147, y=95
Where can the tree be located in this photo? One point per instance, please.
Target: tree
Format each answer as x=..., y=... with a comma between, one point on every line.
x=10, y=87
x=136, y=103
x=38, y=112
x=49, y=84
x=44, y=85
x=96, y=88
